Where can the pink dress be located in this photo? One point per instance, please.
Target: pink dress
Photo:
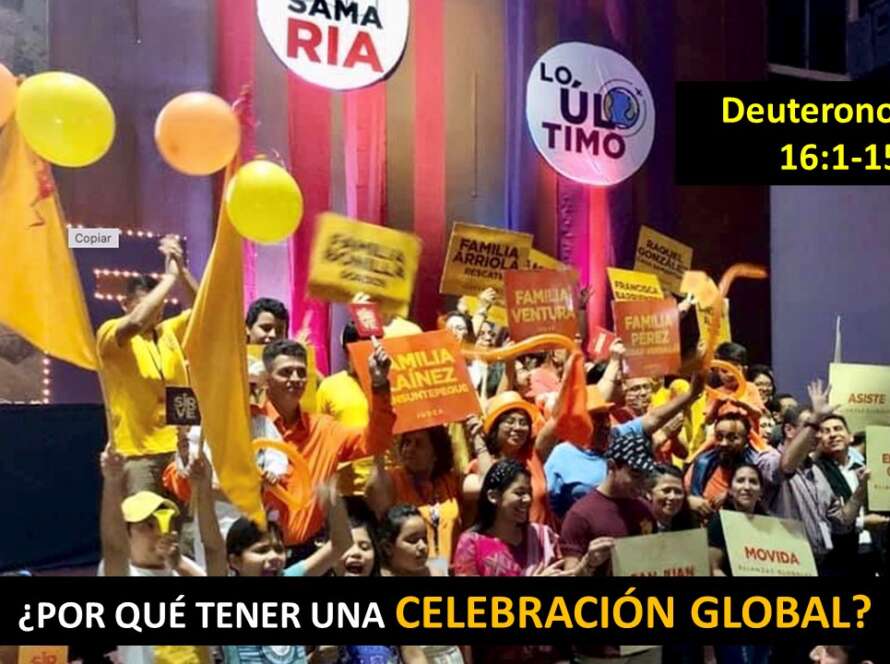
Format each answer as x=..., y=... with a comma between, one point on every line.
x=478, y=554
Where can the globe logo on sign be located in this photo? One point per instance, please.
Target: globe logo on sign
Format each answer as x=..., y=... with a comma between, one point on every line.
x=590, y=113
x=621, y=107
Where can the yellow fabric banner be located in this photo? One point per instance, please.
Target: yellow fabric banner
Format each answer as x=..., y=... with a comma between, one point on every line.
x=350, y=256
x=630, y=285
x=478, y=256
x=216, y=351
x=662, y=256
x=703, y=316
x=40, y=292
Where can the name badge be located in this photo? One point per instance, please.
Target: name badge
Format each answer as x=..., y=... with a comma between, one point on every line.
x=182, y=407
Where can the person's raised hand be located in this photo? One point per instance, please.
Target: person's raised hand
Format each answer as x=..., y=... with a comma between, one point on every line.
x=819, y=396
x=111, y=462
x=488, y=297
x=598, y=552
x=875, y=521
x=553, y=569
x=379, y=364
x=701, y=507
x=617, y=351
x=199, y=473
x=361, y=298
x=168, y=549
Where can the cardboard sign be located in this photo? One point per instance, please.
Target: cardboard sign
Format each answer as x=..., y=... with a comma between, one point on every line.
x=367, y=318
x=703, y=316
x=538, y=260
x=650, y=330
x=308, y=402
x=877, y=452
x=478, y=256
x=863, y=393
x=680, y=553
x=629, y=285
x=343, y=45
x=766, y=546
x=350, y=256
x=662, y=256
x=429, y=380
x=182, y=407
x=43, y=655
x=599, y=343
x=496, y=314
x=540, y=302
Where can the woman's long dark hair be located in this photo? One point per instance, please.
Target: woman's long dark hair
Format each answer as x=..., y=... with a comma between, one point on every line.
x=684, y=519
x=491, y=439
x=729, y=503
x=390, y=525
x=443, y=454
x=498, y=478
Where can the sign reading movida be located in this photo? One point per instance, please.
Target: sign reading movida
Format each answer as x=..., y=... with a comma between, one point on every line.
x=590, y=113
x=338, y=44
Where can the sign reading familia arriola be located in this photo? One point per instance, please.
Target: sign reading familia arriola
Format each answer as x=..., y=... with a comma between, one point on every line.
x=338, y=44
x=590, y=113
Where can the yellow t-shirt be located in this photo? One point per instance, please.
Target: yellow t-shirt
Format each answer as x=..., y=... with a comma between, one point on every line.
x=136, y=376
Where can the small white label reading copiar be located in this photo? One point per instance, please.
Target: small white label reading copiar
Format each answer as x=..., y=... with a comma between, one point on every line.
x=94, y=238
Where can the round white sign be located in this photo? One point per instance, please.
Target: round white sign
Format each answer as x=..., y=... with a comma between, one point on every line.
x=338, y=44
x=590, y=113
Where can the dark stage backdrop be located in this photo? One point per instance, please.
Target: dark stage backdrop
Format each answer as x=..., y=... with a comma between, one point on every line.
x=51, y=485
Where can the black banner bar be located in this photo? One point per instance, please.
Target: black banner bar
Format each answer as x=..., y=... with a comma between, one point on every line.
x=782, y=132
x=235, y=611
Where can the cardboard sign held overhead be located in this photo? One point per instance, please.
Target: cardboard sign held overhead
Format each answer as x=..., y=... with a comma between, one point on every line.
x=538, y=260
x=541, y=302
x=766, y=546
x=877, y=451
x=367, y=318
x=703, y=317
x=680, y=553
x=350, y=256
x=600, y=342
x=863, y=393
x=629, y=285
x=478, y=256
x=182, y=406
x=662, y=256
x=429, y=380
x=650, y=330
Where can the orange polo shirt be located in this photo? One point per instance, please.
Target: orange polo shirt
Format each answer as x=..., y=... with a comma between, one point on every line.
x=325, y=443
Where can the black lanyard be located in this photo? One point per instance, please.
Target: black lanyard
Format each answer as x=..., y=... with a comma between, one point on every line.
x=158, y=363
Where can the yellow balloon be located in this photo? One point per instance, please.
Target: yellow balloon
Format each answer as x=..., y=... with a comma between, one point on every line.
x=264, y=202
x=65, y=118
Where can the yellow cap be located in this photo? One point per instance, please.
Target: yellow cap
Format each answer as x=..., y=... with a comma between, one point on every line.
x=144, y=504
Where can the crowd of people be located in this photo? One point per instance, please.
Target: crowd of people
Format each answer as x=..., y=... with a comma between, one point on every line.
x=498, y=494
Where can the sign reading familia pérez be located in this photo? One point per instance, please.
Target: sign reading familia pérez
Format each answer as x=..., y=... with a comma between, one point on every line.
x=478, y=257
x=338, y=44
x=350, y=256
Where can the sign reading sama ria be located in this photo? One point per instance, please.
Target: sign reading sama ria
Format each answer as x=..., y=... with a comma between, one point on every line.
x=338, y=44
x=590, y=113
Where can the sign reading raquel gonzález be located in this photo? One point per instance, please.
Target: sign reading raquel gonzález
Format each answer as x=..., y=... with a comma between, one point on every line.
x=341, y=45
x=590, y=113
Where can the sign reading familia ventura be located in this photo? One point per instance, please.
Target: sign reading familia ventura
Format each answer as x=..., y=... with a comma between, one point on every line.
x=338, y=44
x=590, y=113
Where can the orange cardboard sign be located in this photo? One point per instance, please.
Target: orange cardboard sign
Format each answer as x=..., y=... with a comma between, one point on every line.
x=540, y=302
x=429, y=379
x=43, y=655
x=650, y=330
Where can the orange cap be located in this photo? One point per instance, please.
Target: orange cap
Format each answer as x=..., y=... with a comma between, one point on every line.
x=506, y=401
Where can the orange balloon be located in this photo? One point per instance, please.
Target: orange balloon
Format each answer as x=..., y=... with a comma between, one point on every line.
x=8, y=91
x=197, y=133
